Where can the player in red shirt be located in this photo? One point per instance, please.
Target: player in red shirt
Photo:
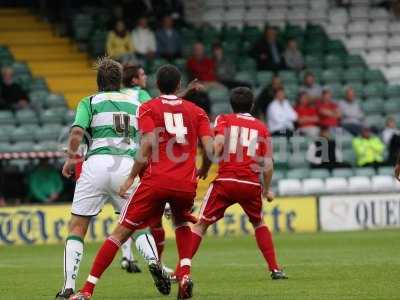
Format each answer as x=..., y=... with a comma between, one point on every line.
x=243, y=146
x=170, y=128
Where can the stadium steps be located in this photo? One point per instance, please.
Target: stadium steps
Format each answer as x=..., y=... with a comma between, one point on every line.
x=66, y=70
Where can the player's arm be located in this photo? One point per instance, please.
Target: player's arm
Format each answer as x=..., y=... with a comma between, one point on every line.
x=193, y=85
x=268, y=170
x=77, y=132
x=207, y=156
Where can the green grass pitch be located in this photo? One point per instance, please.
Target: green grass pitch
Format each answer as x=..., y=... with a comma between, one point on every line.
x=322, y=266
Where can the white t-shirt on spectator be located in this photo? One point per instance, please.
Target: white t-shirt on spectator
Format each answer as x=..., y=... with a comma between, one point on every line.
x=143, y=40
x=281, y=116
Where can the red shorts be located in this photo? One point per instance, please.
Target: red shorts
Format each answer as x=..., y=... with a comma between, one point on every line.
x=224, y=193
x=146, y=206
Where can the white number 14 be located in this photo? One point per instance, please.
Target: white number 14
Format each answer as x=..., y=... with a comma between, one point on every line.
x=174, y=125
x=248, y=138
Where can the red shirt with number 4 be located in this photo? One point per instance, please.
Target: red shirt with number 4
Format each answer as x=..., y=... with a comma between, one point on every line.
x=246, y=141
x=178, y=125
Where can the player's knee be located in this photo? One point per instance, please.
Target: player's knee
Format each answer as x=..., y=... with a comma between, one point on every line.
x=258, y=224
x=200, y=228
x=121, y=233
x=78, y=226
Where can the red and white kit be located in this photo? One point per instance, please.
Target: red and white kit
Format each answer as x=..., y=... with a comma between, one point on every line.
x=238, y=180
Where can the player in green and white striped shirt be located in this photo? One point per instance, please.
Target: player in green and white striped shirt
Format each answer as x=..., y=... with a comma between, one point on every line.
x=107, y=120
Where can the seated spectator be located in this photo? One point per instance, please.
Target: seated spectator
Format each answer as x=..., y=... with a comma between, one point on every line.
x=281, y=115
x=293, y=58
x=200, y=66
x=324, y=153
x=307, y=116
x=119, y=44
x=328, y=111
x=266, y=96
x=309, y=86
x=45, y=183
x=168, y=40
x=144, y=39
x=225, y=69
x=12, y=96
x=267, y=52
x=351, y=113
x=391, y=138
x=368, y=149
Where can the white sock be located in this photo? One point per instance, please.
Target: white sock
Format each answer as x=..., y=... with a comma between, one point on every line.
x=147, y=247
x=126, y=250
x=73, y=253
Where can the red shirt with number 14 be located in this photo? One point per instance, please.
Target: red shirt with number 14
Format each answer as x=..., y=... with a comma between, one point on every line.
x=178, y=125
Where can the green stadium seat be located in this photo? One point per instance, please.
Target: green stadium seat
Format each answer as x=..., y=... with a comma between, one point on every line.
x=69, y=118
x=6, y=117
x=288, y=77
x=52, y=116
x=385, y=171
x=353, y=75
x=373, y=105
x=320, y=173
x=264, y=77
x=299, y=143
x=97, y=42
x=26, y=116
x=354, y=61
x=82, y=25
x=156, y=63
x=219, y=95
x=24, y=133
x=251, y=34
x=180, y=63
x=38, y=98
x=246, y=64
x=334, y=46
x=299, y=173
x=364, y=171
x=48, y=133
x=245, y=76
x=392, y=106
x=374, y=90
x=39, y=83
x=342, y=172
x=278, y=175
x=24, y=80
x=220, y=108
x=373, y=76
x=392, y=91
x=231, y=34
x=23, y=147
x=330, y=76
x=20, y=68
x=375, y=121
x=54, y=100
x=6, y=147
x=313, y=61
x=349, y=156
x=6, y=133
x=333, y=61
x=337, y=90
x=345, y=140
x=298, y=160
x=47, y=146
x=358, y=88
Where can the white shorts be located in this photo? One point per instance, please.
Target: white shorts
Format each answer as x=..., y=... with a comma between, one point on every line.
x=99, y=182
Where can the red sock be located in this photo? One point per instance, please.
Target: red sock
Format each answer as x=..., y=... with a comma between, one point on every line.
x=266, y=245
x=159, y=236
x=184, y=244
x=196, y=241
x=103, y=259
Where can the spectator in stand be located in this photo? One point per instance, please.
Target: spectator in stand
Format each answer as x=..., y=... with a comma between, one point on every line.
x=313, y=89
x=12, y=96
x=307, y=115
x=119, y=44
x=225, y=69
x=200, y=66
x=351, y=113
x=324, y=153
x=369, y=149
x=293, y=58
x=144, y=39
x=391, y=138
x=267, y=51
x=328, y=111
x=45, y=183
x=281, y=115
x=267, y=95
x=168, y=40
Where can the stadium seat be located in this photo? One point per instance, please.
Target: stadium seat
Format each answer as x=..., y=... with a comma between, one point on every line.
x=330, y=76
x=360, y=184
x=7, y=147
x=48, y=133
x=379, y=14
x=377, y=27
x=392, y=106
x=382, y=183
x=23, y=146
x=290, y=187
x=366, y=171
x=6, y=132
x=377, y=42
x=6, y=117
x=354, y=61
x=392, y=91
x=356, y=44
x=26, y=116
x=319, y=173
x=47, y=146
x=220, y=108
x=264, y=77
x=345, y=140
x=373, y=105
x=394, y=43
x=385, y=171
x=357, y=28
x=338, y=15
x=375, y=121
x=333, y=61
x=219, y=95
x=245, y=76
x=297, y=173
x=24, y=133
x=313, y=186
x=336, y=185
x=394, y=28
x=374, y=90
x=376, y=58
x=342, y=172
x=53, y=100
x=246, y=64
x=297, y=160
x=52, y=116
x=278, y=175
x=373, y=76
x=354, y=74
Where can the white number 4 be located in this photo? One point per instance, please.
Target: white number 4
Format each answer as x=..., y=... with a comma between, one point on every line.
x=174, y=125
x=248, y=138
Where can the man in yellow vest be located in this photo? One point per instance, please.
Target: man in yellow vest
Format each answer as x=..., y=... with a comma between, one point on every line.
x=368, y=148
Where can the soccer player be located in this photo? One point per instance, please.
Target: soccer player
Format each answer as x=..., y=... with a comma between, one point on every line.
x=108, y=120
x=171, y=128
x=243, y=147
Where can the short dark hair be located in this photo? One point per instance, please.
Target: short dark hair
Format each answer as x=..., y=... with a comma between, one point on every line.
x=130, y=72
x=168, y=79
x=109, y=74
x=242, y=100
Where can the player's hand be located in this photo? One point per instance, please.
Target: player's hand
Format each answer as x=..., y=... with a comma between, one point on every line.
x=397, y=172
x=125, y=186
x=69, y=167
x=195, y=85
x=202, y=173
x=269, y=195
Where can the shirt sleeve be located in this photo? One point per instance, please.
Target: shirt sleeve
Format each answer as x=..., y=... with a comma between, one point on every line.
x=145, y=119
x=265, y=144
x=144, y=96
x=83, y=114
x=204, y=127
x=220, y=125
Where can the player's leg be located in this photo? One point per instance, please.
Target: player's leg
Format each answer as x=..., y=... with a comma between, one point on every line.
x=252, y=205
x=158, y=233
x=128, y=262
